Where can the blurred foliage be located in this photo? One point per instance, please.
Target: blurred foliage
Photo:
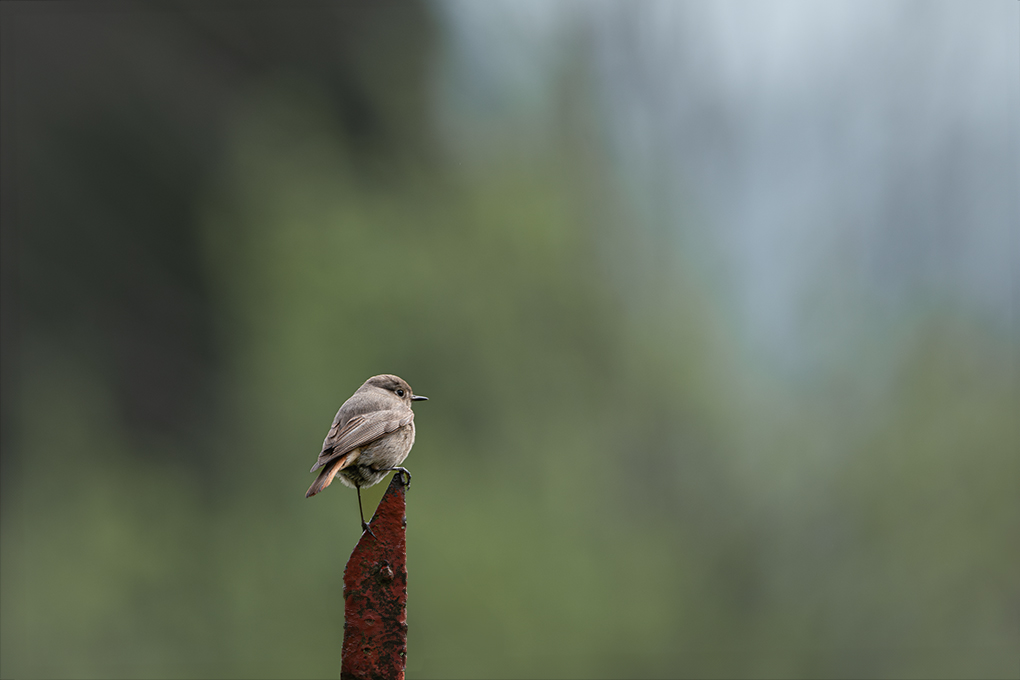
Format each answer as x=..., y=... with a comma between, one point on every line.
x=605, y=485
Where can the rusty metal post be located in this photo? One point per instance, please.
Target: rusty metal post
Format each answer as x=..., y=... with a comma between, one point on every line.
x=375, y=595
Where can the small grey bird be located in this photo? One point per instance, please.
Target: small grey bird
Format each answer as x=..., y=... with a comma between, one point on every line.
x=371, y=435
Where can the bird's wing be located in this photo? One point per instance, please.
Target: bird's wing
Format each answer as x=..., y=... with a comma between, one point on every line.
x=360, y=430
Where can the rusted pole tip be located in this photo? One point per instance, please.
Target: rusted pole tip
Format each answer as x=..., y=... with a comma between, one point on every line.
x=375, y=594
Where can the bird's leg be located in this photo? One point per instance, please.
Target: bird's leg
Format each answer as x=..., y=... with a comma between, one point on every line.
x=403, y=473
x=364, y=524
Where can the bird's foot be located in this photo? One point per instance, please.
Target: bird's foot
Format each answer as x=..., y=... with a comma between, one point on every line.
x=405, y=476
x=366, y=528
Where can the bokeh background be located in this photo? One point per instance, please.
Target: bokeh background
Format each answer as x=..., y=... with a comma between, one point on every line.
x=716, y=304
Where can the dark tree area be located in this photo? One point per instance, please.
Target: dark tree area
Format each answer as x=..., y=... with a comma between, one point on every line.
x=113, y=120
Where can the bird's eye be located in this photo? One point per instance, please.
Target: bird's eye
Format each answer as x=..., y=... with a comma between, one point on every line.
x=400, y=393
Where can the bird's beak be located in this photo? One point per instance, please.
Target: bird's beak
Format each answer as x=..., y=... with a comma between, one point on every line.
x=419, y=397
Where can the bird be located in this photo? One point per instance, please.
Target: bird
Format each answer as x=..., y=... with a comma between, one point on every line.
x=371, y=435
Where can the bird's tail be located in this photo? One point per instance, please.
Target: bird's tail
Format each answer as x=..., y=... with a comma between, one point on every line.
x=325, y=477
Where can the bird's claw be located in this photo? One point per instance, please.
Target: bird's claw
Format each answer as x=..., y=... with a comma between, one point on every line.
x=405, y=476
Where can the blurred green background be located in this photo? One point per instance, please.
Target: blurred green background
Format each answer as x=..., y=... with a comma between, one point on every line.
x=722, y=362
